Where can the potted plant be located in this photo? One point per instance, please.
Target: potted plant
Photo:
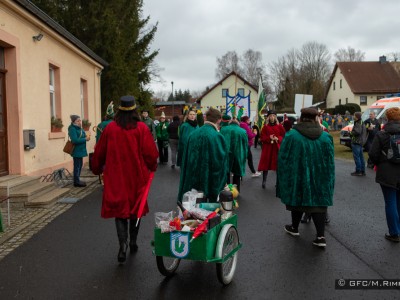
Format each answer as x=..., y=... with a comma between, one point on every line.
x=86, y=124
x=56, y=124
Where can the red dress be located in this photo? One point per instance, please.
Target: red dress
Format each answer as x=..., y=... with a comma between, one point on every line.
x=269, y=154
x=126, y=158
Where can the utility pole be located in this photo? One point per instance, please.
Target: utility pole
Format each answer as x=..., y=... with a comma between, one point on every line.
x=173, y=99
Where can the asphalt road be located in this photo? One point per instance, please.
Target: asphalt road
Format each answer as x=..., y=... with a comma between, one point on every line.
x=74, y=257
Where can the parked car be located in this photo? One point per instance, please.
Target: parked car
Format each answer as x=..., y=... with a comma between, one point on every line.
x=291, y=117
x=345, y=138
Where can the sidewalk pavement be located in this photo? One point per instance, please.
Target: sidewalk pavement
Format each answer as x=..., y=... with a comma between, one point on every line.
x=25, y=222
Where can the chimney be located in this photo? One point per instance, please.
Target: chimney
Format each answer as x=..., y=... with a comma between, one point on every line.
x=382, y=59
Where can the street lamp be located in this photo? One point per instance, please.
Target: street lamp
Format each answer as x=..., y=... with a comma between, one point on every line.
x=172, y=84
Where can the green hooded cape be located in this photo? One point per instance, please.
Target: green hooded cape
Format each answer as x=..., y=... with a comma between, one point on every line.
x=306, y=167
x=184, y=132
x=237, y=145
x=204, y=163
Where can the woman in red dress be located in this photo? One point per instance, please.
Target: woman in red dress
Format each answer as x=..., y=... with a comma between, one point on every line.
x=126, y=154
x=271, y=137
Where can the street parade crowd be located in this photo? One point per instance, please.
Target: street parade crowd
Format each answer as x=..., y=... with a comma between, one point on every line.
x=212, y=152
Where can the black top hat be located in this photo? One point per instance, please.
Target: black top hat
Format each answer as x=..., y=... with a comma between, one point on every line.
x=127, y=103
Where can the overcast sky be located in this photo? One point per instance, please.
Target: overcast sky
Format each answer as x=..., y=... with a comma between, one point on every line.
x=193, y=33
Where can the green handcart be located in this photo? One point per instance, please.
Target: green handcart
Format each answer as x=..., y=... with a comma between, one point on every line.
x=219, y=245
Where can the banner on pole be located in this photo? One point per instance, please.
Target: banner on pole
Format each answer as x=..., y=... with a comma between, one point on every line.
x=235, y=103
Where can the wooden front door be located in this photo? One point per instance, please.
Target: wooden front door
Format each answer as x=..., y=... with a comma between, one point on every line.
x=3, y=127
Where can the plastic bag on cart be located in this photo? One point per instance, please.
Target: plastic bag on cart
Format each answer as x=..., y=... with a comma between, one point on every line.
x=163, y=219
x=189, y=199
x=199, y=213
x=192, y=198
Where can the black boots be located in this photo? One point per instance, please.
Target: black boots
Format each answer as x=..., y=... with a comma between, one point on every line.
x=264, y=181
x=122, y=232
x=133, y=232
x=123, y=246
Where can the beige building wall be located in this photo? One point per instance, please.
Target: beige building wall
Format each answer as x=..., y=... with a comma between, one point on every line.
x=339, y=93
x=232, y=83
x=343, y=93
x=28, y=94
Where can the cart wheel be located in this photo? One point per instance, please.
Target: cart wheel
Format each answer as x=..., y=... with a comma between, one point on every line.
x=167, y=265
x=228, y=240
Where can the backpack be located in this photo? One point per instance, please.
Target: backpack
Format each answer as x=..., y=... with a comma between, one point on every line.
x=393, y=153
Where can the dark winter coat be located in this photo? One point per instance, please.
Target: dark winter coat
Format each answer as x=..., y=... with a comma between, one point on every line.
x=173, y=129
x=374, y=131
x=388, y=173
x=359, y=133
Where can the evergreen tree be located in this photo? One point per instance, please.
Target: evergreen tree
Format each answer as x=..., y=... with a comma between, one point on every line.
x=117, y=32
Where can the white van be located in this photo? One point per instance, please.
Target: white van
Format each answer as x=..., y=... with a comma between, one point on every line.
x=379, y=108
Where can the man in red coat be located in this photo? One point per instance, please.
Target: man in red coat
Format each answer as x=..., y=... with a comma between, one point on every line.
x=271, y=137
x=126, y=154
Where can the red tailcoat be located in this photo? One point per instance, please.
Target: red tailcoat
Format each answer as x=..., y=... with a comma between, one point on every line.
x=126, y=158
x=269, y=154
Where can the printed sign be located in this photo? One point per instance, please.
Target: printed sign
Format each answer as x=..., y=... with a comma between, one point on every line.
x=179, y=243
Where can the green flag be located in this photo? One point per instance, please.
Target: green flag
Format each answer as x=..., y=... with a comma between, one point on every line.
x=261, y=104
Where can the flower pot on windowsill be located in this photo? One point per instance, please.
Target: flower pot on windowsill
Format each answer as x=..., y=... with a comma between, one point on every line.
x=56, y=129
x=56, y=124
x=86, y=124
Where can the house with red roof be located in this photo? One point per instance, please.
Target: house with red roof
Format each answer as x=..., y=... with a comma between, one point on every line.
x=362, y=82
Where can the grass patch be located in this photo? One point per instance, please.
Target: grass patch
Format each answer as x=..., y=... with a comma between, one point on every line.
x=341, y=151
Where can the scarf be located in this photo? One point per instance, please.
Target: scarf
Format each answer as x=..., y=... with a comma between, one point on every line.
x=192, y=123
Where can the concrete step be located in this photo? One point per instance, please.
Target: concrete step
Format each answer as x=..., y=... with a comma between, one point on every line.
x=28, y=192
x=8, y=177
x=18, y=182
x=47, y=198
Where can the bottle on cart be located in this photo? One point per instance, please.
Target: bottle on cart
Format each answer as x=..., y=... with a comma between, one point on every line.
x=226, y=202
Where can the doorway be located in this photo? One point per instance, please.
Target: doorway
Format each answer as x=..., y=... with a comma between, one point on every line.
x=3, y=118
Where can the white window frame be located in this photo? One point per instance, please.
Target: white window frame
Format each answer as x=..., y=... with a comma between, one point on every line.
x=52, y=91
x=82, y=99
x=363, y=100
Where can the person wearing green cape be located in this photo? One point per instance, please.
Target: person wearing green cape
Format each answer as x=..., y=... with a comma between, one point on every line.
x=185, y=130
x=107, y=120
x=205, y=160
x=237, y=147
x=226, y=119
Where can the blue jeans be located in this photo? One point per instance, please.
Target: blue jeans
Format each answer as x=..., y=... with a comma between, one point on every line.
x=358, y=157
x=78, y=163
x=392, y=209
